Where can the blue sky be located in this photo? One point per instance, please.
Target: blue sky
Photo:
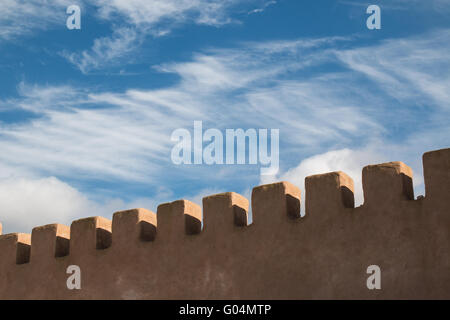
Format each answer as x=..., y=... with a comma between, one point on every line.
x=86, y=115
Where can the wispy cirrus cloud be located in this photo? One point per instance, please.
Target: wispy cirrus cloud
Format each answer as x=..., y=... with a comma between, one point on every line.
x=132, y=22
x=270, y=85
x=84, y=134
x=126, y=136
x=407, y=70
x=411, y=82
x=20, y=17
x=263, y=7
x=138, y=20
x=151, y=13
x=106, y=51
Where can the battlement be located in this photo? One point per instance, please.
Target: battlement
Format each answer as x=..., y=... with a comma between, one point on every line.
x=192, y=252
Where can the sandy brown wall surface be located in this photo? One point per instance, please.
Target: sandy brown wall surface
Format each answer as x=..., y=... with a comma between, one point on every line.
x=281, y=255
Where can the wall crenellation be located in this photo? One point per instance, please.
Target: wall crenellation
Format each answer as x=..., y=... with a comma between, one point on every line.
x=167, y=254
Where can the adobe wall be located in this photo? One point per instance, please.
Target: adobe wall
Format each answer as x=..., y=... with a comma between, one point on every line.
x=324, y=255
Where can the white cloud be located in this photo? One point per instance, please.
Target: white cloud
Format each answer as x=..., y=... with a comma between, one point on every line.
x=347, y=160
x=106, y=51
x=132, y=21
x=126, y=136
x=26, y=203
x=85, y=134
x=263, y=7
x=352, y=162
x=19, y=17
x=68, y=137
x=139, y=19
x=413, y=69
x=150, y=13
